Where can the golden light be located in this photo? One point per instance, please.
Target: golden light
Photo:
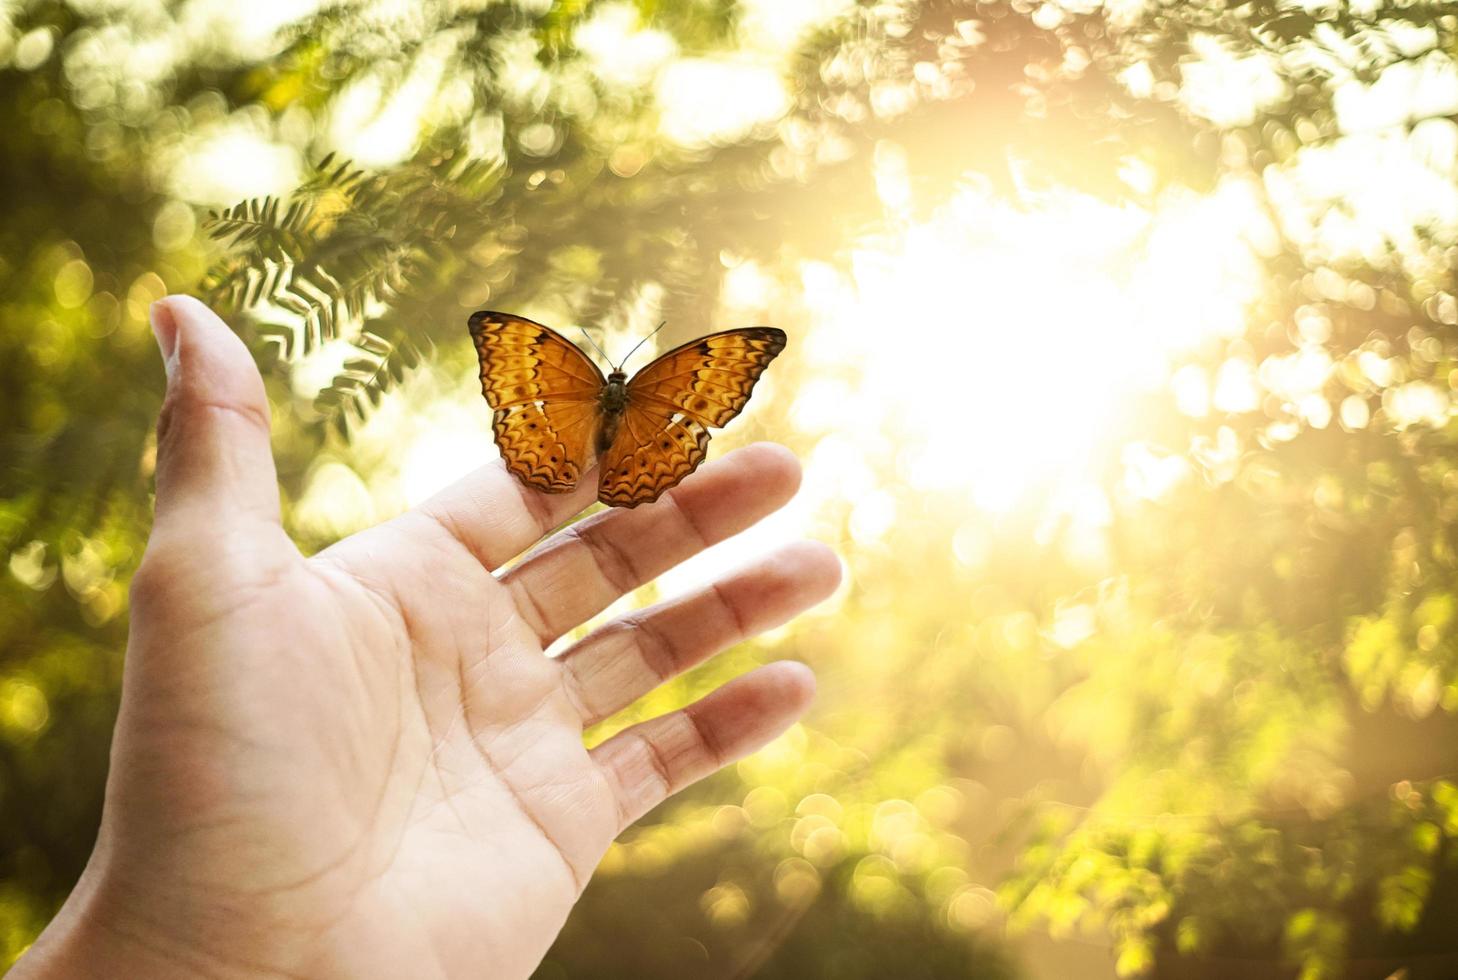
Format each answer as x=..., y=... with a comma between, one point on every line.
x=441, y=456
x=996, y=347
x=436, y=433
x=377, y=120
x=234, y=158
x=704, y=101
x=620, y=48
x=992, y=351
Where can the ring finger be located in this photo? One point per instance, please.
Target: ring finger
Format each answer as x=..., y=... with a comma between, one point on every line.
x=615, y=665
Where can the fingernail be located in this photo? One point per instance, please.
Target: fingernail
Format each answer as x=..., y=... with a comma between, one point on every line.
x=164, y=326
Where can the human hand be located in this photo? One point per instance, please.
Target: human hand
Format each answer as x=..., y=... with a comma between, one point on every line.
x=362, y=764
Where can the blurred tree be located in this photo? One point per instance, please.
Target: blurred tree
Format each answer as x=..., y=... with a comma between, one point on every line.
x=1230, y=739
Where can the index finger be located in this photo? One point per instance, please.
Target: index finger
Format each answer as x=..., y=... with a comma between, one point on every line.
x=496, y=517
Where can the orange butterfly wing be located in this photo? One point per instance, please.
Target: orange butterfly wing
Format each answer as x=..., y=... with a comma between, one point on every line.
x=709, y=379
x=672, y=402
x=545, y=395
x=652, y=452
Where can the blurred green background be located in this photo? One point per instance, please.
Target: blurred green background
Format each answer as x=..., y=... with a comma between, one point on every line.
x=1124, y=342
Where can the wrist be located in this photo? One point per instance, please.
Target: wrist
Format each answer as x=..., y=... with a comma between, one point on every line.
x=80, y=942
x=96, y=935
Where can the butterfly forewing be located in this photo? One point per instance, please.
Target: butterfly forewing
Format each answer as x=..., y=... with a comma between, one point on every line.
x=523, y=361
x=671, y=405
x=711, y=378
x=544, y=393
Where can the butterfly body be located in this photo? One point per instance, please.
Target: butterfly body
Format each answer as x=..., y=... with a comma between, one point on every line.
x=613, y=403
x=555, y=414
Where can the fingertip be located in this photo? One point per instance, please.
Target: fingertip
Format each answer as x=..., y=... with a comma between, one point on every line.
x=776, y=694
x=164, y=328
x=774, y=697
x=213, y=432
x=180, y=313
x=775, y=463
x=796, y=680
x=814, y=564
x=212, y=357
x=181, y=304
x=787, y=581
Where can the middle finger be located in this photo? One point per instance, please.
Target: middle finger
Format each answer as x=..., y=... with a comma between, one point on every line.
x=582, y=570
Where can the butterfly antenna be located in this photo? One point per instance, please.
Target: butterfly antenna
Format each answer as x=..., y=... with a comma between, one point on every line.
x=640, y=344
x=605, y=358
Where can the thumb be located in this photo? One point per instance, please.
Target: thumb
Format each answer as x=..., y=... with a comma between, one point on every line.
x=214, y=460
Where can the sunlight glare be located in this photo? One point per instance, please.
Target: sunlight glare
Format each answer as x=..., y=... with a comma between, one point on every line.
x=1228, y=89
x=376, y=123
x=441, y=456
x=780, y=25
x=620, y=49
x=335, y=502
x=243, y=30
x=238, y=158
x=935, y=352
x=719, y=100
x=431, y=430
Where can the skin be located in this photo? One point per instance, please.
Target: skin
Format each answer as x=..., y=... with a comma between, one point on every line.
x=361, y=764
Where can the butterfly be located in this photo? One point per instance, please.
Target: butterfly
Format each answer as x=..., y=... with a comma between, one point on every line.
x=555, y=413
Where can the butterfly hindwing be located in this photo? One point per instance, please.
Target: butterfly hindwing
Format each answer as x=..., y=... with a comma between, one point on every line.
x=709, y=379
x=544, y=393
x=547, y=445
x=653, y=450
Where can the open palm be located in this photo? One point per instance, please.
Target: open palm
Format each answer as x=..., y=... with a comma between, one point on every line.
x=362, y=763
